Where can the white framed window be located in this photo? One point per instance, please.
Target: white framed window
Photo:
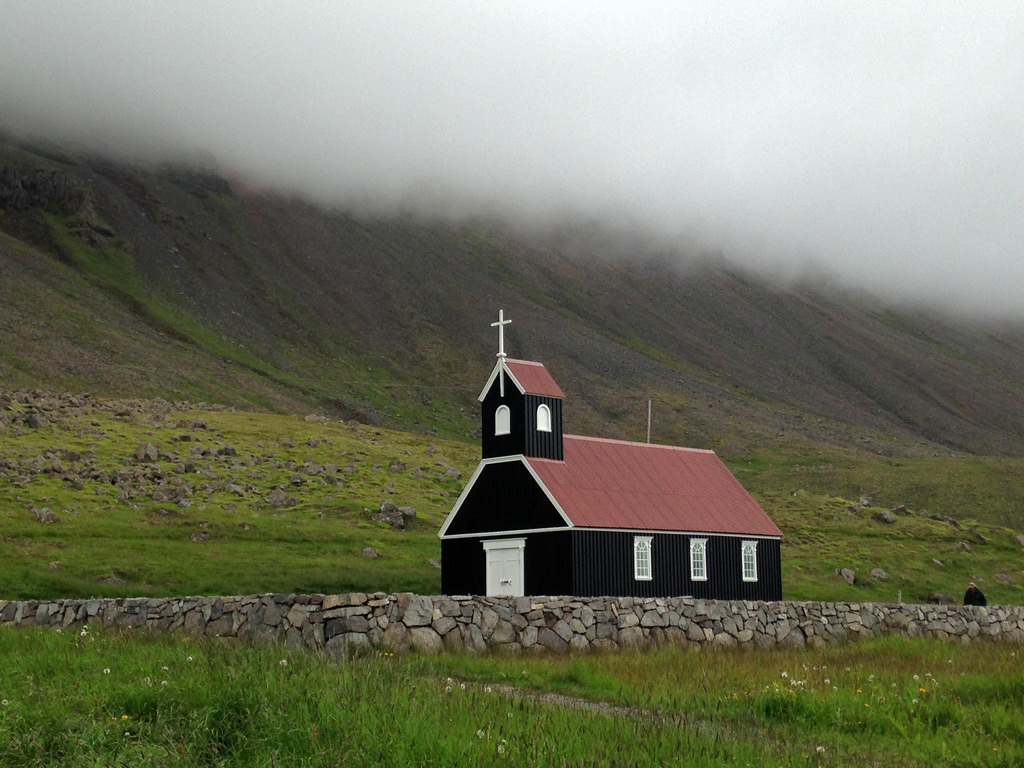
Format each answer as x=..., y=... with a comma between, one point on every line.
x=699, y=559
x=543, y=418
x=642, y=558
x=502, y=420
x=749, y=550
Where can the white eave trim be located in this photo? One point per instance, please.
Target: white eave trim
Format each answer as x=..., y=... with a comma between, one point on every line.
x=472, y=481
x=494, y=374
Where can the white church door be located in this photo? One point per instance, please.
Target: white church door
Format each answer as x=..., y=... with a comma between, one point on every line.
x=505, y=566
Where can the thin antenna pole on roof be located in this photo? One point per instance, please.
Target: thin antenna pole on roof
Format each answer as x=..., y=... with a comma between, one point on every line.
x=648, y=420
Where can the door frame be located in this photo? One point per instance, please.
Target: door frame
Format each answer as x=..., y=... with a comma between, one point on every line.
x=504, y=544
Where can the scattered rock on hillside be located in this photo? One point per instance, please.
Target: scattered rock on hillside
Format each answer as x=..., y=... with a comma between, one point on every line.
x=879, y=574
x=371, y=553
x=885, y=516
x=454, y=474
x=397, y=465
x=393, y=515
x=434, y=564
x=1019, y=539
x=945, y=519
x=147, y=452
x=847, y=574
x=941, y=598
x=278, y=499
x=44, y=515
x=964, y=546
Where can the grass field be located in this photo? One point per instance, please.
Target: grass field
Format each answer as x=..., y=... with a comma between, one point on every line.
x=85, y=697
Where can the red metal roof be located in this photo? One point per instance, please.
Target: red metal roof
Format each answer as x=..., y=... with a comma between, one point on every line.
x=616, y=484
x=533, y=378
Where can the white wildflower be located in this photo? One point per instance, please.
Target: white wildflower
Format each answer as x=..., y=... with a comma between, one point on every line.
x=480, y=733
x=283, y=662
x=106, y=670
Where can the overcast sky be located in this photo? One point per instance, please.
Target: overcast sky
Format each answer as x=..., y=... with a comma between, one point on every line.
x=879, y=141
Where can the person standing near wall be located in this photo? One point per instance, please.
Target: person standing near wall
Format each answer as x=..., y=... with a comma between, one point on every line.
x=974, y=596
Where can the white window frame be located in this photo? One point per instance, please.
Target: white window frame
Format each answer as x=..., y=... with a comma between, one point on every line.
x=643, y=568
x=543, y=418
x=748, y=555
x=502, y=420
x=698, y=559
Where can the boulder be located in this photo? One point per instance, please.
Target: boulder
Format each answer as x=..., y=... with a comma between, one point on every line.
x=44, y=515
x=147, y=452
x=847, y=574
x=394, y=515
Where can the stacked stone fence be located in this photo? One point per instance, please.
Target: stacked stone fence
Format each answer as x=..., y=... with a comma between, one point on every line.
x=356, y=623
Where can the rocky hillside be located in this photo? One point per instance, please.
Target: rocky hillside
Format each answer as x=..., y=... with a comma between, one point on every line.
x=167, y=281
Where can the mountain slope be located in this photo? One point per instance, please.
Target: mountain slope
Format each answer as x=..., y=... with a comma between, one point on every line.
x=172, y=282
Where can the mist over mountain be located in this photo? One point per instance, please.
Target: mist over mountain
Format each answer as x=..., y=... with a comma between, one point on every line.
x=137, y=279
x=876, y=143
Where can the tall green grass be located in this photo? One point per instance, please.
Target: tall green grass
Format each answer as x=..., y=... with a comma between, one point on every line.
x=86, y=697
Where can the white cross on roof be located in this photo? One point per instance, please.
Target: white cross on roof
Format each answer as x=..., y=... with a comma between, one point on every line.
x=502, y=322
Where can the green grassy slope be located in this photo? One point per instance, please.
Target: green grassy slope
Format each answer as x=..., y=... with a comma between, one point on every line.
x=240, y=502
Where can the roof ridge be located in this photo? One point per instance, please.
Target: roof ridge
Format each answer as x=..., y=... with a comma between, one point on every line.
x=638, y=444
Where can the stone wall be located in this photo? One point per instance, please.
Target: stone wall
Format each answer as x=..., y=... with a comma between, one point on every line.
x=359, y=623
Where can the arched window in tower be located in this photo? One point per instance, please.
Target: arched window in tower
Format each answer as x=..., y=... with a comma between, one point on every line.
x=502, y=420
x=543, y=418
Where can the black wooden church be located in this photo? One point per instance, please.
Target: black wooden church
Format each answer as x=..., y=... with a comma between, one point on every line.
x=547, y=513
